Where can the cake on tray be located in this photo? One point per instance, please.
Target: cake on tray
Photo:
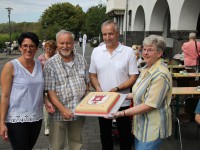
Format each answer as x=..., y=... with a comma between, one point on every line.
x=97, y=103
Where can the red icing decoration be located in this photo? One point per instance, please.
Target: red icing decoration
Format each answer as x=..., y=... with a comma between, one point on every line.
x=101, y=112
x=98, y=98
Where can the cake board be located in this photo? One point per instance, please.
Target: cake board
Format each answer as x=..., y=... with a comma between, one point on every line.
x=113, y=110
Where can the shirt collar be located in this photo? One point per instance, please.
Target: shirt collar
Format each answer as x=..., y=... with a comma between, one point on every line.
x=118, y=49
x=74, y=60
x=60, y=57
x=155, y=66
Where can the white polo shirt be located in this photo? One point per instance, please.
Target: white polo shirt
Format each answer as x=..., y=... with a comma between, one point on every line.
x=113, y=70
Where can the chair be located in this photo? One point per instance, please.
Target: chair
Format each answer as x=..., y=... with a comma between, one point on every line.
x=197, y=132
x=177, y=125
x=187, y=116
x=179, y=129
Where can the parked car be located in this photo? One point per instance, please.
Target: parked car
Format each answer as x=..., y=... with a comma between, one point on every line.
x=94, y=42
x=1, y=50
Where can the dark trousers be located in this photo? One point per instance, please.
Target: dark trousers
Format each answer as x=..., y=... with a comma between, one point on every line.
x=23, y=136
x=124, y=129
x=80, y=43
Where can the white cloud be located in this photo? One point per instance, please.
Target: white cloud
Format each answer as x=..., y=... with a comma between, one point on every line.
x=30, y=11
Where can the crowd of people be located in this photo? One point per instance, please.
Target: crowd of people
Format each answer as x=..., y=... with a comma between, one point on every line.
x=60, y=78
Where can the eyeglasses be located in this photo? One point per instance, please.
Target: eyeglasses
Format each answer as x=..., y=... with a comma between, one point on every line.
x=49, y=49
x=26, y=46
x=148, y=50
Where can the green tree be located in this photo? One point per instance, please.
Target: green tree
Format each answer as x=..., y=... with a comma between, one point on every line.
x=96, y=15
x=16, y=30
x=62, y=16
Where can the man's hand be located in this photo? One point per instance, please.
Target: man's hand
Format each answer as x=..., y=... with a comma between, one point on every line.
x=49, y=106
x=87, y=92
x=67, y=113
x=98, y=90
x=114, y=90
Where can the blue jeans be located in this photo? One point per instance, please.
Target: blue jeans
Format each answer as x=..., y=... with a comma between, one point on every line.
x=153, y=145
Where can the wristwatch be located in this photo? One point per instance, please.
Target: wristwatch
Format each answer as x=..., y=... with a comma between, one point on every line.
x=117, y=88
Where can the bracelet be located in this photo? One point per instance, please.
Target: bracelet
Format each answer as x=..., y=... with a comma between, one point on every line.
x=117, y=88
x=124, y=113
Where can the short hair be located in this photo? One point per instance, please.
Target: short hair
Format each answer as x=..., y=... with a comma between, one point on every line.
x=155, y=40
x=64, y=32
x=192, y=35
x=116, y=27
x=30, y=35
x=51, y=44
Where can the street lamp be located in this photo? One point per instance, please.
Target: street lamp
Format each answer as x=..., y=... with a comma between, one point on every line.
x=126, y=22
x=9, y=11
x=45, y=26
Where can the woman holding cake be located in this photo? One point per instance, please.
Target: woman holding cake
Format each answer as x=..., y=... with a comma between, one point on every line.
x=151, y=96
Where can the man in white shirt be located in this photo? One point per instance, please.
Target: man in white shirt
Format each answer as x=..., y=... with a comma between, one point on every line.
x=113, y=68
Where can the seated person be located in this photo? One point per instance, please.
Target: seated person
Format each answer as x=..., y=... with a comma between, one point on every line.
x=197, y=112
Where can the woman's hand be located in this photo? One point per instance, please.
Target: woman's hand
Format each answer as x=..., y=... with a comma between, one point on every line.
x=118, y=114
x=4, y=132
x=129, y=96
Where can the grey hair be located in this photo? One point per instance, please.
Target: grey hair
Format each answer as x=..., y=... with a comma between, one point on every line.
x=110, y=22
x=155, y=40
x=64, y=32
x=192, y=35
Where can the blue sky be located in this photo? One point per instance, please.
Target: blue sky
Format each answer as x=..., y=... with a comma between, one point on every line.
x=31, y=10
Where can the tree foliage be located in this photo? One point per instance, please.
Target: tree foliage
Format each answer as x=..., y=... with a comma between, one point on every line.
x=62, y=16
x=16, y=30
x=56, y=17
x=96, y=15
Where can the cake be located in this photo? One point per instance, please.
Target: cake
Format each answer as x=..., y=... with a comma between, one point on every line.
x=97, y=103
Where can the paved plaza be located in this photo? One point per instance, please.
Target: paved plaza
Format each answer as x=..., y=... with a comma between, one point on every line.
x=91, y=138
